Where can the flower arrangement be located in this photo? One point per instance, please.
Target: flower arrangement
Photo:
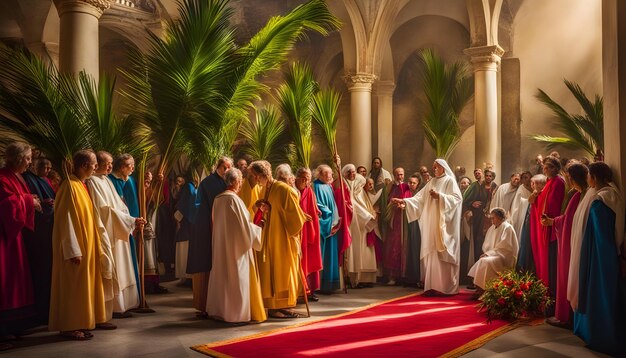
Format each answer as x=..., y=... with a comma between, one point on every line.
x=513, y=295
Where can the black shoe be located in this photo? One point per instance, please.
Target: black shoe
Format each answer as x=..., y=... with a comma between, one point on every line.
x=313, y=298
x=119, y=315
x=471, y=287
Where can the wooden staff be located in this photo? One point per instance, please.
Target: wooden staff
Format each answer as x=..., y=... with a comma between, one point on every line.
x=143, y=305
x=343, y=203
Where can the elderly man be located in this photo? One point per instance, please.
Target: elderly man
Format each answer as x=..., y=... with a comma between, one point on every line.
x=77, y=297
x=394, y=250
x=361, y=263
x=199, y=259
x=499, y=250
x=311, y=257
x=438, y=207
x=329, y=220
x=234, y=294
x=120, y=287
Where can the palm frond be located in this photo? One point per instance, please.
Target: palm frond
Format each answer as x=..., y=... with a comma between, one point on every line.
x=36, y=106
x=325, y=108
x=448, y=88
x=295, y=97
x=582, y=132
x=262, y=135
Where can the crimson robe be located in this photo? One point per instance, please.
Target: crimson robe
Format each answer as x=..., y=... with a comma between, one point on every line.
x=563, y=233
x=17, y=212
x=548, y=202
x=311, y=259
x=395, y=242
x=344, y=208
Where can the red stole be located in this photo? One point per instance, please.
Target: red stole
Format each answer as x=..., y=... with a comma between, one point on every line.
x=310, y=235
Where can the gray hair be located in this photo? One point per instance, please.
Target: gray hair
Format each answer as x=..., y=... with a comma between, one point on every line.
x=539, y=179
x=302, y=171
x=499, y=212
x=231, y=176
x=222, y=160
x=261, y=167
x=283, y=172
x=320, y=169
x=347, y=168
x=120, y=160
x=15, y=153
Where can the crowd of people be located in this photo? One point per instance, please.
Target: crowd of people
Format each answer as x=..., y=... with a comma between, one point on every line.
x=254, y=242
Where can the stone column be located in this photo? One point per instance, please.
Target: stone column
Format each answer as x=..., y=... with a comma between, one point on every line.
x=384, y=94
x=486, y=60
x=78, y=40
x=614, y=86
x=360, y=88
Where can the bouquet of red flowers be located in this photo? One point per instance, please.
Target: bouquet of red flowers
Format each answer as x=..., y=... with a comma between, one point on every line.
x=514, y=295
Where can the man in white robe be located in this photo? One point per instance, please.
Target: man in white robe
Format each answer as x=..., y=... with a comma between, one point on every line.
x=438, y=205
x=361, y=263
x=503, y=198
x=234, y=293
x=520, y=204
x=499, y=250
x=116, y=224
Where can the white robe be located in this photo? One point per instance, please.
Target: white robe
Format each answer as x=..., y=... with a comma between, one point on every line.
x=503, y=198
x=115, y=226
x=234, y=238
x=440, y=225
x=518, y=209
x=361, y=258
x=501, y=247
x=612, y=198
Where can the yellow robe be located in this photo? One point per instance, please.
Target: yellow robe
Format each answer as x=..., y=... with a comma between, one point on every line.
x=249, y=195
x=279, y=264
x=77, y=295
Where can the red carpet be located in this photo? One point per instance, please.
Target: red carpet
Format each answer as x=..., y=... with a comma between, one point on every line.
x=414, y=326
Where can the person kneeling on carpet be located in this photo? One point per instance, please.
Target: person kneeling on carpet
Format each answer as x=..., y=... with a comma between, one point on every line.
x=499, y=251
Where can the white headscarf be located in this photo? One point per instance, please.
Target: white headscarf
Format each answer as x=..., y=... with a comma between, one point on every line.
x=445, y=166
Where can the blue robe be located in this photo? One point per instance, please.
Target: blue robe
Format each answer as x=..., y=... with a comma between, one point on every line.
x=128, y=191
x=39, y=244
x=200, y=258
x=187, y=206
x=525, y=260
x=330, y=251
x=600, y=319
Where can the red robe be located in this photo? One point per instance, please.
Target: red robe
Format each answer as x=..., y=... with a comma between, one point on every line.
x=549, y=202
x=394, y=242
x=311, y=259
x=344, y=208
x=17, y=212
x=563, y=234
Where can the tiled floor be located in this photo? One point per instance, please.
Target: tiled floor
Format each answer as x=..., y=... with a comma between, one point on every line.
x=173, y=329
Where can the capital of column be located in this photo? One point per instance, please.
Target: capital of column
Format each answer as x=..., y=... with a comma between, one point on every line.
x=359, y=81
x=92, y=7
x=485, y=58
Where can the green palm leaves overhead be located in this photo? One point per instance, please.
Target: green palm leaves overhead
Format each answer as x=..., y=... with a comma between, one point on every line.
x=448, y=88
x=582, y=131
x=262, y=135
x=197, y=85
x=325, y=108
x=58, y=113
x=295, y=97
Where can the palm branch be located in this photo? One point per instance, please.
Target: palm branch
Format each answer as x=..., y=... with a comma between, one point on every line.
x=582, y=132
x=36, y=106
x=448, y=88
x=262, y=135
x=295, y=97
x=325, y=108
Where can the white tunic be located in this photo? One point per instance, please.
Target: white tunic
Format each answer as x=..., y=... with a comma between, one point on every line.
x=234, y=237
x=116, y=224
x=518, y=209
x=361, y=258
x=503, y=198
x=440, y=225
x=501, y=248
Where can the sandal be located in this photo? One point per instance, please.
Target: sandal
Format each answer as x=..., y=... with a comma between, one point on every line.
x=76, y=335
x=87, y=333
x=284, y=314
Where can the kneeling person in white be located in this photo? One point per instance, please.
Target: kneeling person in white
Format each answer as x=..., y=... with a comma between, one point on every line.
x=234, y=294
x=499, y=250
